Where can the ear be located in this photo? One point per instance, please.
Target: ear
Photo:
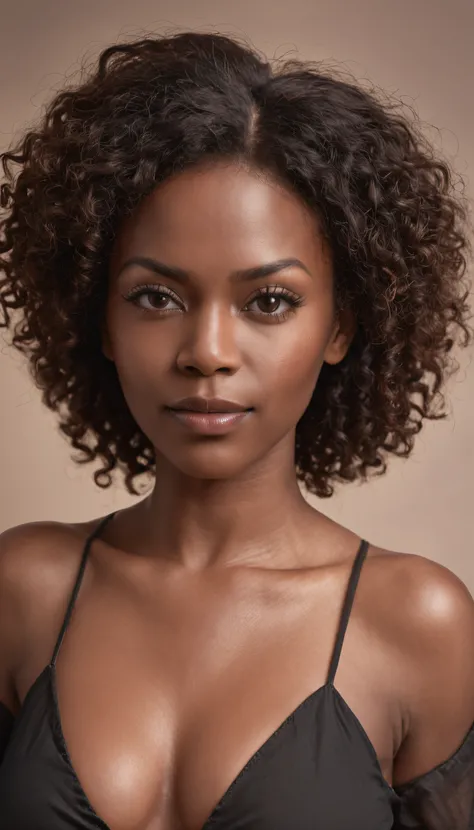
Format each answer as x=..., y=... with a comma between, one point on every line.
x=341, y=338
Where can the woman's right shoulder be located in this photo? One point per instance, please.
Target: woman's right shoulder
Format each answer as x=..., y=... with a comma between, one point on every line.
x=38, y=555
x=38, y=565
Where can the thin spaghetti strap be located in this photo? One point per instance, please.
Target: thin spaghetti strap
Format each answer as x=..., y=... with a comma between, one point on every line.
x=347, y=607
x=77, y=583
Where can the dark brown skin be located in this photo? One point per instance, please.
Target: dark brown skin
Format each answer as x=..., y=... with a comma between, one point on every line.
x=209, y=609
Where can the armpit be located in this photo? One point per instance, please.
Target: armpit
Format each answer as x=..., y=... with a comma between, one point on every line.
x=443, y=798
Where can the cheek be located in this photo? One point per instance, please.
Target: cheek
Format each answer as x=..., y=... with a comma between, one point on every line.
x=142, y=362
x=290, y=377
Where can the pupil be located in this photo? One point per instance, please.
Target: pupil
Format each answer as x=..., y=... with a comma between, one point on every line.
x=158, y=299
x=271, y=301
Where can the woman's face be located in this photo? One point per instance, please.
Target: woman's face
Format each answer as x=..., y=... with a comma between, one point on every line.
x=204, y=326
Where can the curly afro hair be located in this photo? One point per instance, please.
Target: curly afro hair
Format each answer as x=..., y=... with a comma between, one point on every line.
x=390, y=209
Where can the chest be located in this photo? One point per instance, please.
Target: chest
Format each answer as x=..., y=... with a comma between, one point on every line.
x=197, y=713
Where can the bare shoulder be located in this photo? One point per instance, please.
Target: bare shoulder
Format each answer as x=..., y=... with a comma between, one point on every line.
x=39, y=556
x=38, y=563
x=423, y=613
x=421, y=597
x=427, y=615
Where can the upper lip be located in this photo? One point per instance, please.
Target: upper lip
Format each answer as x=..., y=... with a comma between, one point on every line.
x=208, y=405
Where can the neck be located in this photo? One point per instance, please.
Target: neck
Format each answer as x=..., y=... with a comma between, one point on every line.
x=254, y=518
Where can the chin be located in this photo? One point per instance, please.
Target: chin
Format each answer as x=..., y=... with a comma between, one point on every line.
x=209, y=461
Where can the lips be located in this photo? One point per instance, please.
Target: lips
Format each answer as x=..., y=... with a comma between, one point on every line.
x=208, y=420
x=207, y=405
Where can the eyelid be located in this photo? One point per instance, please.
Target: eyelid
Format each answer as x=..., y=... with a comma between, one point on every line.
x=275, y=290
x=154, y=286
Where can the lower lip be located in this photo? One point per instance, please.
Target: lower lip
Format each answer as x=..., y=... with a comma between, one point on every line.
x=209, y=423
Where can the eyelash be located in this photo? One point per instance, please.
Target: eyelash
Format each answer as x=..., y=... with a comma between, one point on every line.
x=294, y=300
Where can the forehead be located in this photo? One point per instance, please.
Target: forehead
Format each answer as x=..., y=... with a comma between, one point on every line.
x=221, y=210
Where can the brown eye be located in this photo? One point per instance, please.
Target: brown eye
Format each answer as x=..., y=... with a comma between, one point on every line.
x=152, y=298
x=268, y=303
x=153, y=301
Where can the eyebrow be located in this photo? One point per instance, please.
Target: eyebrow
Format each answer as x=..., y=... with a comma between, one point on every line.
x=183, y=276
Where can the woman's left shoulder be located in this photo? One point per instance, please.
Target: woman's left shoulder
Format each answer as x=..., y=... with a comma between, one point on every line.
x=427, y=615
x=430, y=595
x=426, y=609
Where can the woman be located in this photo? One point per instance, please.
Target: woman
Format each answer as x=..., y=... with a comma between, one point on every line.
x=234, y=279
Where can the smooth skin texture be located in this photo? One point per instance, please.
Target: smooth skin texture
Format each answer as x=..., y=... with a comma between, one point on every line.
x=208, y=610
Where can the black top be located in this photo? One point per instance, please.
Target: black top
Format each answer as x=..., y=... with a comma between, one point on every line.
x=317, y=771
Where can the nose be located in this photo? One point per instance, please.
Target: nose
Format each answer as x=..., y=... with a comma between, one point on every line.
x=210, y=343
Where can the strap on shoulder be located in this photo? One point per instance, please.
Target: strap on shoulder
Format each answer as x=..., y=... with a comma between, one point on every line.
x=347, y=607
x=77, y=584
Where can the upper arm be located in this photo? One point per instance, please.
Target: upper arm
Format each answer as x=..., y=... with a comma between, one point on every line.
x=439, y=629
x=11, y=620
x=34, y=579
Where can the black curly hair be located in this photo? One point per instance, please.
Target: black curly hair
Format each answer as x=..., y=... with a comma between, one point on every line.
x=389, y=207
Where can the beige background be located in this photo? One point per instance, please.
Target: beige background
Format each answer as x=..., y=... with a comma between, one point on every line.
x=419, y=49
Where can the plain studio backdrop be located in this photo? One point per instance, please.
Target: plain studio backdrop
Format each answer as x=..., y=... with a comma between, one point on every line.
x=420, y=50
